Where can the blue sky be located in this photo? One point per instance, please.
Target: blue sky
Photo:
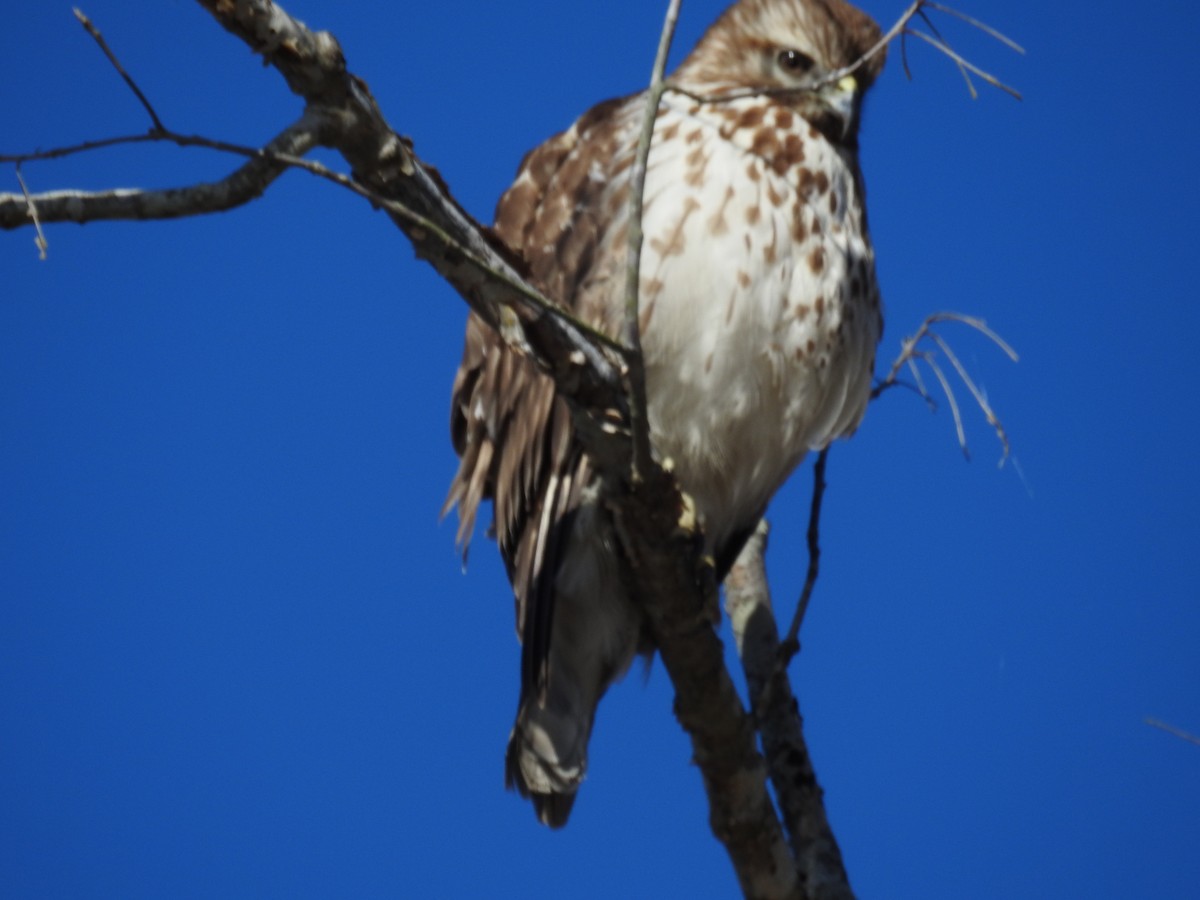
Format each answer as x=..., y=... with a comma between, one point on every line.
x=238, y=655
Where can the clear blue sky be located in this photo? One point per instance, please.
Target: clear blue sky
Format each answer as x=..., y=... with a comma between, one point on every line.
x=238, y=655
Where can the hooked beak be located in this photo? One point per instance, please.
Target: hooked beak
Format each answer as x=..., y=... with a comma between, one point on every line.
x=842, y=99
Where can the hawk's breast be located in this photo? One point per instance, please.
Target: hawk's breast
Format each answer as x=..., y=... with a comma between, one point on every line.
x=759, y=304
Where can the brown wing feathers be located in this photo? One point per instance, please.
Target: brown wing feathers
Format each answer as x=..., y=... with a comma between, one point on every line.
x=513, y=434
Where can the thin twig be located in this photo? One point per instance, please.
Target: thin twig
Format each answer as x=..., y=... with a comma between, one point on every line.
x=40, y=239
x=911, y=353
x=899, y=29
x=932, y=319
x=317, y=169
x=831, y=78
x=791, y=642
x=965, y=74
x=962, y=63
x=157, y=136
x=975, y=23
x=954, y=410
x=989, y=78
x=429, y=226
x=980, y=400
x=919, y=381
x=631, y=332
x=99, y=39
x=85, y=147
x=1171, y=729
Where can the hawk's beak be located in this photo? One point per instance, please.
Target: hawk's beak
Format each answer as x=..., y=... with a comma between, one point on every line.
x=842, y=98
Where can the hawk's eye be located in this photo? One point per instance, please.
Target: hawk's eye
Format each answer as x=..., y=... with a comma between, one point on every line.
x=794, y=62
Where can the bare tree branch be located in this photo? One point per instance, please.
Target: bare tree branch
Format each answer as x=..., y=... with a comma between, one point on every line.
x=741, y=814
x=791, y=644
x=706, y=703
x=242, y=187
x=385, y=168
x=112, y=58
x=631, y=330
x=975, y=23
x=911, y=352
x=961, y=68
x=964, y=63
x=83, y=147
x=800, y=798
x=245, y=184
x=31, y=210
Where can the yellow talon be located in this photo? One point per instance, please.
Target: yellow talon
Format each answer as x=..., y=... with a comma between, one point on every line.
x=687, y=516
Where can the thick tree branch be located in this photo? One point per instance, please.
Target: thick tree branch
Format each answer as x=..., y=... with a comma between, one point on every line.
x=801, y=801
x=442, y=233
x=670, y=581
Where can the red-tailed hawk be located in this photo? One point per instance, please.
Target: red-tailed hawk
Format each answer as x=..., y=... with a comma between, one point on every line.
x=759, y=314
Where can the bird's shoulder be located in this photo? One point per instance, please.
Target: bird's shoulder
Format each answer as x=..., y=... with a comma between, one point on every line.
x=567, y=196
x=513, y=435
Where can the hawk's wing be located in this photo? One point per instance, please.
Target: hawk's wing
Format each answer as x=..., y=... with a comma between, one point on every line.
x=512, y=433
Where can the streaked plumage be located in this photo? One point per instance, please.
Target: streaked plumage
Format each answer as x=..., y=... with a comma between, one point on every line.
x=760, y=317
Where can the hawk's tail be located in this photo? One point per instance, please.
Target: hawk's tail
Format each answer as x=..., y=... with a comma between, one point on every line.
x=580, y=633
x=546, y=761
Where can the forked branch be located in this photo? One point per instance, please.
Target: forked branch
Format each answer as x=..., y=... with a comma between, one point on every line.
x=914, y=350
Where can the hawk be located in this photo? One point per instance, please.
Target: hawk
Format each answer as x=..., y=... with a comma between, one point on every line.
x=759, y=318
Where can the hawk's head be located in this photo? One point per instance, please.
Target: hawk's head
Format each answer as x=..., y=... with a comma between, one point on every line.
x=790, y=48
